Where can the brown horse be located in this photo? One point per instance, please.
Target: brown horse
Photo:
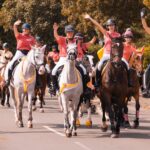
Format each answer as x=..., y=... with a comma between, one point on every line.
x=136, y=71
x=4, y=91
x=113, y=89
x=40, y=87
x=49, y=67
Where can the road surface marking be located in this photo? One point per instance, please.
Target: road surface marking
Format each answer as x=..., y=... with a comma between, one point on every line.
x=53, y=130
x=82, y=145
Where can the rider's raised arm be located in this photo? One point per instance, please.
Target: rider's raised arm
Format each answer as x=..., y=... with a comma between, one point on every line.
x=98, y=25
x=15, y=27
x=145, y=26
x=55, y=27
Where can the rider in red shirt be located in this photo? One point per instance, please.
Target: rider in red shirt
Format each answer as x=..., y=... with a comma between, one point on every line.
x=129, y=47
x=82, y=46
x=62, y=43
x=24, y=43
x=54, y=54
x=109, y=34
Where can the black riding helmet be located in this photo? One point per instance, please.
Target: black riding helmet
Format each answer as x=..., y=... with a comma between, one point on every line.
x=110, y=22
x=79, y=36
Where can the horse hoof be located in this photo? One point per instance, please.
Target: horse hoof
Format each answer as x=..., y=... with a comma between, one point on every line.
x=34, y=108
x=74, y=133
x=127, y=125
x=114, y=135
x=104, y=129
x=78, y=122
x=88, y=123
x=8, y=105
x=135, y=124
x=68, y=134
x=30, y=126
x=42, y=110
x=20, y=125
x=2, y=103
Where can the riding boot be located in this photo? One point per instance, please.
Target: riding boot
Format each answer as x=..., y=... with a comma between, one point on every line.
x=7, y=82
x=39, y=83
x=130, y=83
x=97, y=79
x=55, y=84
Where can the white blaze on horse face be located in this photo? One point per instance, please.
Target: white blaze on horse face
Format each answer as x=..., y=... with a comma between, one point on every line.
x=72, y=49
x=41, y=70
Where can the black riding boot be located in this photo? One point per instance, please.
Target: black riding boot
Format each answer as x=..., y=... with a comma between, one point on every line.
x=9, y=77
x=130, y=83
x=97, y=78
x=85, y=79
x=54, y=84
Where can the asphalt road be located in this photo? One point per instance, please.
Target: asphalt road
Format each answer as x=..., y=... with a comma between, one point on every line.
x=48, y=134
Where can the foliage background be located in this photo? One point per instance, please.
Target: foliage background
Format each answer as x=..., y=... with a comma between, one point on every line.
x=41, y=14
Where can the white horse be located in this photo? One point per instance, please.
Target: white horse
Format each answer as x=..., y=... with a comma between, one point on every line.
x=71, y=88
x=23, y=83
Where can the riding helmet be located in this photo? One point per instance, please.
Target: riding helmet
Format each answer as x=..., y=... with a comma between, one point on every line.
x=69, y=28
x=5, y=45
x=128, y=34
x=26, y=26
x=79, y=35
x=110, y=22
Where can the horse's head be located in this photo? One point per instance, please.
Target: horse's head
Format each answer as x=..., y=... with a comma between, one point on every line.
x=72, y=51
x=136, y=62
x=116, y=53
x=37, y=58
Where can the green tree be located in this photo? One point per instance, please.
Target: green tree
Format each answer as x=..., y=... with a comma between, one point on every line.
x=40, y=14
x=126, y=12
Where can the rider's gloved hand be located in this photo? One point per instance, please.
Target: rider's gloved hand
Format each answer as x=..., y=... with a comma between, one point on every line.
x=143, y=12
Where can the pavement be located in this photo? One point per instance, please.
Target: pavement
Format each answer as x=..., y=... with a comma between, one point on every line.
x=48, y=133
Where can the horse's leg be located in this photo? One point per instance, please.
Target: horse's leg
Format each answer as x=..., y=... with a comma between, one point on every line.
x=112, y=118
x=104, y=125
x=19, y=106
x=124, y=115
x=60, y=103
x=41, y=101
x=8, y=96
x=118, y=113
x=30, y=95
x=89, y=119
x=66, y=113
x=34, y=99
x=73, y=127
x=74, y=114
x=3, y=96
x=79, y=111
x=137, y=106
x=12, y=96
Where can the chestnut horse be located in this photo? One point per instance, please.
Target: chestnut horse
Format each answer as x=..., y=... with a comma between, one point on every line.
x=136, y=72
x=113, y=89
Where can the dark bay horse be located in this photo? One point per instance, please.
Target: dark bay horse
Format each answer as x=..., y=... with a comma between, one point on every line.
x=113, y=89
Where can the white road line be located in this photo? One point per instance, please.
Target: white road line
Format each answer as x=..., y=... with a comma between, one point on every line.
x=82, y=146
x=53, y=130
